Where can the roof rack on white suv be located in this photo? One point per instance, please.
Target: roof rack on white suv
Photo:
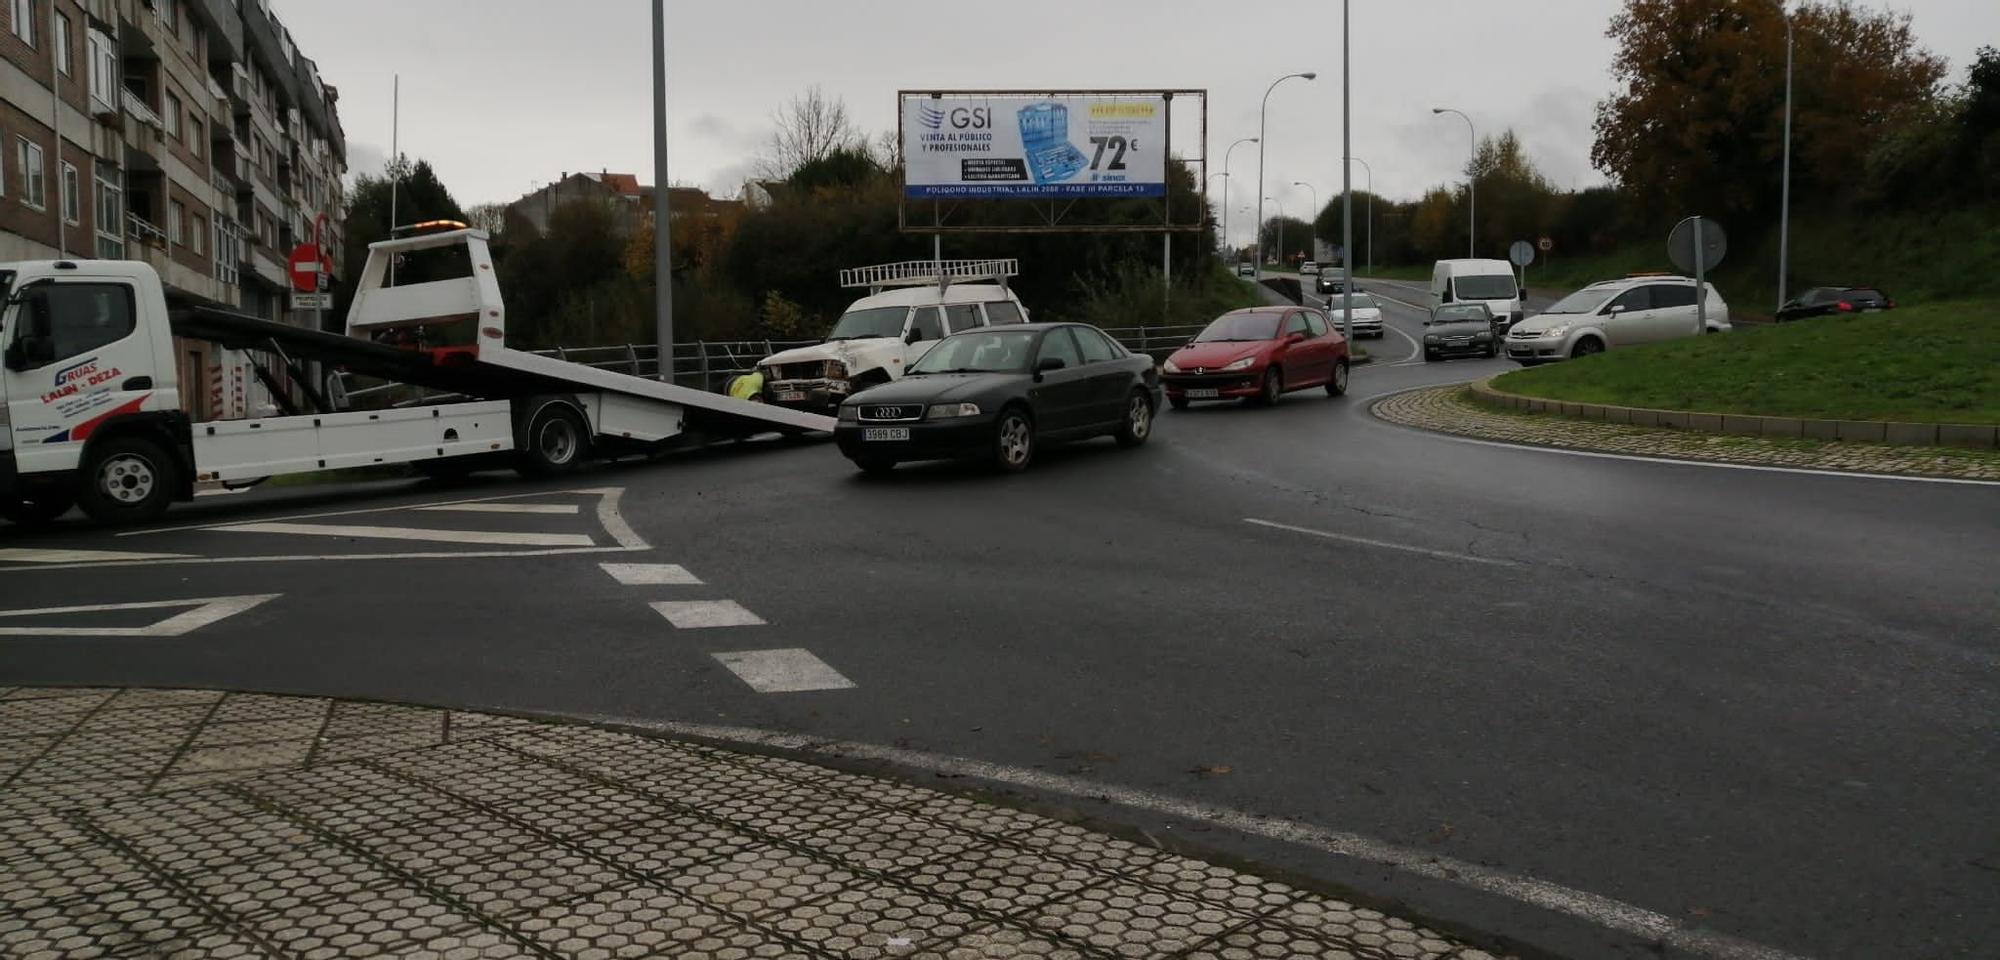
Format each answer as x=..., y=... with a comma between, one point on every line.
x=918, y=273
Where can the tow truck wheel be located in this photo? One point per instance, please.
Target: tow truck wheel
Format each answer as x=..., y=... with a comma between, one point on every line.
x=126, y=479
x=557, y=442
x=34, y=512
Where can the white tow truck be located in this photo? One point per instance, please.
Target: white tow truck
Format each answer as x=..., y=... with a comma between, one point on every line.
x=909, y=307
x=92, y=411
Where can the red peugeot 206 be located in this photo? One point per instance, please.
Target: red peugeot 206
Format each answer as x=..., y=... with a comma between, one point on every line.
x=1259, y=353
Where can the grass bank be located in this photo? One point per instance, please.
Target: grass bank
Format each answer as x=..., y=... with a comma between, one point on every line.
x=1933, y=363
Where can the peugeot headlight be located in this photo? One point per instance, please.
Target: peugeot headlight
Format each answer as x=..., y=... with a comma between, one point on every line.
x=1483, y=335
x=1432, y=338
x=1170, y=367
x=946, y=411
x=835, y=370
x=1557, y=330
x=849, y=413
x=1243, y=364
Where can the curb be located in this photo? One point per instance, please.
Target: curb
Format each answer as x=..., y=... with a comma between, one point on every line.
x=1897, y=433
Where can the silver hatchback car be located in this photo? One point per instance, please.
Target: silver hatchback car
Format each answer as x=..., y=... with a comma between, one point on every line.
x=1616, y=313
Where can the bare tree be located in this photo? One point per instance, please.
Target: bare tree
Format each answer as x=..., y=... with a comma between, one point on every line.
x=490, y=217
x=887, y=149
x=810, y=127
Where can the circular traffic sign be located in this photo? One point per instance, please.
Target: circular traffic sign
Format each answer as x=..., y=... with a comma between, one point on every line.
x=307, y=265
x=1545, y=244
x=1681, y=244
x=1521, y=253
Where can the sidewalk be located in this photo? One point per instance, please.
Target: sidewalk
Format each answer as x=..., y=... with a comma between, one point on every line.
x=186, y=823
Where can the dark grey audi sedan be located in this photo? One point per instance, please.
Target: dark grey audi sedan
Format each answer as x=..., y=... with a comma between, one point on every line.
x=998, y=393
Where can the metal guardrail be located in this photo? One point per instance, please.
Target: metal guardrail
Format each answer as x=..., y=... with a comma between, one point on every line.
x=711, y=364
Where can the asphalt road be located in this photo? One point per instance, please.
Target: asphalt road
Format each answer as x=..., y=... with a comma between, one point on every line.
x=1758, y=703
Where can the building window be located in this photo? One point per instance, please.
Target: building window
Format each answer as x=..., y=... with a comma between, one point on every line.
x=62, y=44
x=170, y=115
x=169, y=13
x=110, y=219
x=103, y=68
x=228, y=250
x=197, y=231
x=34, y=176
x=176, y=219
x=72, y=194
x=24, y=21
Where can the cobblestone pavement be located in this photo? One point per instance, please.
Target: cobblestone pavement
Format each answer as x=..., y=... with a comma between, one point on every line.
x=175, y=823
x=1449, y=409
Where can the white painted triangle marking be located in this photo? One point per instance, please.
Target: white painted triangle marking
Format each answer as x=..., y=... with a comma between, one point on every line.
x=206, y=610
x=567, y=508
x=650, y=574
x=25, y=555
x=793, y=670
x=695, y=614
x=416, y=533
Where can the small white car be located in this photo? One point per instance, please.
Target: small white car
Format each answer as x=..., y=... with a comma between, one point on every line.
x=1309, y=268
x=1367, y=314
x=1615, y=313
x=880, y=335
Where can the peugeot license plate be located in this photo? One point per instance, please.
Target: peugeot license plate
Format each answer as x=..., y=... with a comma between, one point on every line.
x=886, y=433
x=1202, y=393
x=791, y=396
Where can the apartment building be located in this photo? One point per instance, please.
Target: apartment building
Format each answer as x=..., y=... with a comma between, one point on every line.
x=193, y=135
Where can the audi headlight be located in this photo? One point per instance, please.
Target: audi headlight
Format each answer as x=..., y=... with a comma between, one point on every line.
x=835, y=370
x=1556, y=331
x=1170, y=367
x=946, y=411
x=1243, y=364
x=849, y=413
x=1432, y=338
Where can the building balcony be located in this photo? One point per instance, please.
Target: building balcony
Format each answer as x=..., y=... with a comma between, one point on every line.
x=145, y=141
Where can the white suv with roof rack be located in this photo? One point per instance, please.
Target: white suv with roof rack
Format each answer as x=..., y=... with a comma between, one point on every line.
x=910, y=306
x=1641, y=308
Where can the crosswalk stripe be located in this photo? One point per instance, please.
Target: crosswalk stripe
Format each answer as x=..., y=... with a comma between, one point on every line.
x=650, y=574
x=792, y=670
x=416, y=533
x=693, y=614
x=25, y=555
x=568, y=508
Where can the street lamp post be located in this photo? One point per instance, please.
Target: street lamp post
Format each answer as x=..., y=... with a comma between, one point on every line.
x=1263, y=142
x=1315, y=215
x=663, y=258
x=1346, y=183
x=1371, y=211
x=1785, y=197
x=1471, y=185
x=1227, y=155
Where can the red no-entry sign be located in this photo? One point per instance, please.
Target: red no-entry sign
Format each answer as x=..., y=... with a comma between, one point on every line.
x=308, y=265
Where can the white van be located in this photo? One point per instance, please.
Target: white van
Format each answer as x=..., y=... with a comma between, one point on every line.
x=1490, y=282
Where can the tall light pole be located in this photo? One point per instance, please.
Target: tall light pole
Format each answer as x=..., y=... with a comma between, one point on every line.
x=1227, y=155
x=1371, y=211
x=663, y=261
x=1315, y=215
x=1263, y=144
x=1346, y=186
x=1785, y=197
x=1471, y=185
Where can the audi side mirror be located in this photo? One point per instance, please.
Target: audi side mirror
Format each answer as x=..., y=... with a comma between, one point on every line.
x=1047, y=364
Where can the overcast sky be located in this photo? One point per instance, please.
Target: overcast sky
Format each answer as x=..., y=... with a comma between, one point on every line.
x=505, y=95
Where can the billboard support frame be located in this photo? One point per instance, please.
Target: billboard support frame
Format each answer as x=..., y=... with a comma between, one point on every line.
x=1056, y=220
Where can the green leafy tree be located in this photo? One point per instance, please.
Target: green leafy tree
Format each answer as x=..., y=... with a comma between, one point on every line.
x=419, y=196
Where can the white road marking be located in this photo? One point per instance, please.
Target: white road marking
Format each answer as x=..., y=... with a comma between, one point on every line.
x=1384, y=544
x=783, y=671
x=331, y=557
x=1416, y=349
x=1600, y=911
x=502, y=538
x=1367, y=402
x=206, y=610
x=613, y=521
x=695, y=614
x=605, y=492
x=25, y=555
x=650, y=574
x=569, y=508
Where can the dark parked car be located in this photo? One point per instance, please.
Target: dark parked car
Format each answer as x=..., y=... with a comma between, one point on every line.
x=1460, y=330
x=998, y=393
x=1258, y=353
x=1820, y=301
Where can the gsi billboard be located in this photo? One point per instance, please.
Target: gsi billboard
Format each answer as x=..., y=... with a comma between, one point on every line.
x=1035, y=146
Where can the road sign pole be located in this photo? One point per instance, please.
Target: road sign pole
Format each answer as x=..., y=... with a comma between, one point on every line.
x=1700, y=281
